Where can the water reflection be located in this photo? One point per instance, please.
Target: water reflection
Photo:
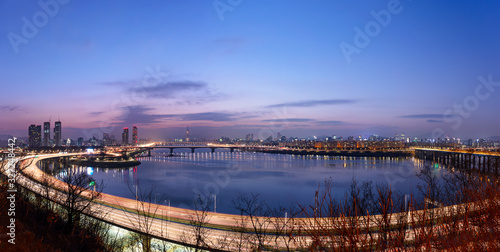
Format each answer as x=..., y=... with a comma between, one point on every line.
x=280, y=179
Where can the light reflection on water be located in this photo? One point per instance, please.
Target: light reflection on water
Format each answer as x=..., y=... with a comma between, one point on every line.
x=278, y=179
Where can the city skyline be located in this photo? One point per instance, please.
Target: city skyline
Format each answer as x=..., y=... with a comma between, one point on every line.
x=301, y=69
x=35, y=138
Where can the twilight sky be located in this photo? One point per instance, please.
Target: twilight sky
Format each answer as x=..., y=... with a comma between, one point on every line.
x=233, y=67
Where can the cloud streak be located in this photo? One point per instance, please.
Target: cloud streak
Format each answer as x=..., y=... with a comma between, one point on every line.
x=423, y=116
x=208, y=116
x=180, y=91
x=11, y=108
x=434, y=121
x=289, y=120
x=141, y=115
x=330, y=122
x=311, y=103
x=170, y=90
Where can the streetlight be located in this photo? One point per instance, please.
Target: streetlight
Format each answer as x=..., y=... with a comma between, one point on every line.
x=215, y=203
x=406, y=210
x=286, y=220
x=406, y=202
x=136, y=198
x=168, y=211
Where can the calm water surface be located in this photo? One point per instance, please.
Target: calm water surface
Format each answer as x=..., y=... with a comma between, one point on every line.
x=285, y=180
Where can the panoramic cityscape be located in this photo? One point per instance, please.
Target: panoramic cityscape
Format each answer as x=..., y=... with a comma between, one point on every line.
x=233, y=125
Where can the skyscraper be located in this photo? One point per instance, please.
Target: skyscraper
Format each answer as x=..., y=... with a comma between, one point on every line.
x=134, y=135
x=35, y=135
x=57, y=133
x=46, y=133
x=187, y=134
x=125, y=136
x=106, y=139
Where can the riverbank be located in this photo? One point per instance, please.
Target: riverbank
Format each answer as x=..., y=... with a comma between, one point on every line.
x=345, y=153
x=106, y=163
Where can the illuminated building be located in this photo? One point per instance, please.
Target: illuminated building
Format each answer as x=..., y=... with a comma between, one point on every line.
x=125, y=136
x=106, y=140
x=46, y=133
x=35, y=135
x=57, y=133
x=187, y=134
x=79, y=142
x=134, y=135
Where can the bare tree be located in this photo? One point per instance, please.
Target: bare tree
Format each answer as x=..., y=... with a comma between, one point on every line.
x=144, y=215
x=45, y=192
x=432, y=187
x=198, y=223
x=81, y=192
x=240, y=236
x=254, y=211
x=282, y=221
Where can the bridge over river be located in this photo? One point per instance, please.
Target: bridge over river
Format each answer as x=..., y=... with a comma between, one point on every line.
x=481, y=162
x=194, y=147
x=284, y=150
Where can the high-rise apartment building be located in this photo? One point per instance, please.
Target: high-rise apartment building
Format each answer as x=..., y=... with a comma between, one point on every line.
x=134, y=135
x=106, y=139
x=35, y=135
x=125, y=136
x=46, y=134
x=57, y=133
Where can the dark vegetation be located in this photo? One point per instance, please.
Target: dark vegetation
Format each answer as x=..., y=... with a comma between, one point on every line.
x=39, y=228
x=42, y=225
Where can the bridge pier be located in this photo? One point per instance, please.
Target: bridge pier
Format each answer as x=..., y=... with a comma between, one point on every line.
x=213, y=149
x=469, y=162
x=149, y=152
x=485, y=167
x=481, y=163
x=489, y=164
x=496, y=164
x=192, y=150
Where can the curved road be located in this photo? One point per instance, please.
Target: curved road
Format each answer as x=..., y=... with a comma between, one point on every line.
x=169, y=223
